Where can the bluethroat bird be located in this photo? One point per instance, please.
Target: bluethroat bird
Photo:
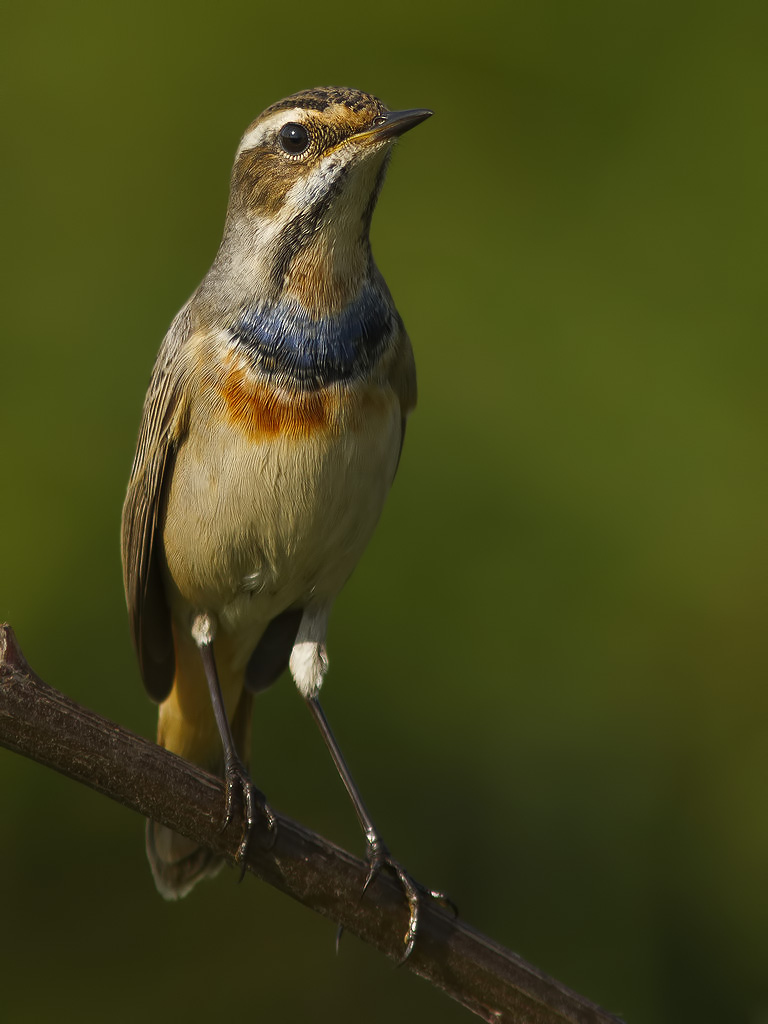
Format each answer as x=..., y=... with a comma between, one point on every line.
x=270, y=436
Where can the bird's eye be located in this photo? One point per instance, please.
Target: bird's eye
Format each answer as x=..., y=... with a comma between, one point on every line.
x=294, y=138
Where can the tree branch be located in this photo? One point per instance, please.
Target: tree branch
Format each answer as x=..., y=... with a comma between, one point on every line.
x=496, y=984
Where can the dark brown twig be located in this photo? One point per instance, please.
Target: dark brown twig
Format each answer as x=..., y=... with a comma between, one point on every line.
x=496, y=984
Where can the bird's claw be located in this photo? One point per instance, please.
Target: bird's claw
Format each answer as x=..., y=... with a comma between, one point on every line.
x=237, y=780
x=379, y=857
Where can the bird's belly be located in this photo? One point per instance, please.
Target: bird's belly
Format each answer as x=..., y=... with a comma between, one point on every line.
x=254, y=525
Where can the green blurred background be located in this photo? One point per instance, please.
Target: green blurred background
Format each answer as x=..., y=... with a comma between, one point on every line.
x=549, y=671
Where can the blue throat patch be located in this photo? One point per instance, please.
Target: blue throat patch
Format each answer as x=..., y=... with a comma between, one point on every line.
x=286, y=343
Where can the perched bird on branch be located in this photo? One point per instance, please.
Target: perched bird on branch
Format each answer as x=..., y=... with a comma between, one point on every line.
x=270, y=436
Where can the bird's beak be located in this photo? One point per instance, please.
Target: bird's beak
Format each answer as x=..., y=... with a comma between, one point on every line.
x=396, y=122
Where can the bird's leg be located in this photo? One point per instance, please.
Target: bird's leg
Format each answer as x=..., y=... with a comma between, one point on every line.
x=235, y=773
x=378, y=854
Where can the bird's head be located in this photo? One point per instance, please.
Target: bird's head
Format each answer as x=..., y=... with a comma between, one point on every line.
x=305, y=182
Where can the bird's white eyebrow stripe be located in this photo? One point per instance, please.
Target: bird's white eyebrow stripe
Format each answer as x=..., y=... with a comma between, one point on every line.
x=261, y=131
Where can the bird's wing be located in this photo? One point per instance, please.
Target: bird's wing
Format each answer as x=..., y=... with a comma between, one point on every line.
x=163, y=425
x=402, y=380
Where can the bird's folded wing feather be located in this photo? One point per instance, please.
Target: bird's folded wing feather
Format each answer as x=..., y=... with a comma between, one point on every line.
x=402, y=380
x=163, y=425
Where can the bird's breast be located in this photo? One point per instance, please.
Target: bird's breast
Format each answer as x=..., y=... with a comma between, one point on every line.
x=264, y=408
x=275, y=489
x=294, y=341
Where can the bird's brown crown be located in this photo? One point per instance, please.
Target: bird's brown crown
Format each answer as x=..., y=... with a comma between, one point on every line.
x=324, y=97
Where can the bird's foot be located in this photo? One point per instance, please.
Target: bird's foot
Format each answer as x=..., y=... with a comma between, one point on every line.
x=379, y=857
x=237, y=780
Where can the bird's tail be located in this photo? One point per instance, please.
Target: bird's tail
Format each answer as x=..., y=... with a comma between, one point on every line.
x=187, y=727
x=177, y=863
